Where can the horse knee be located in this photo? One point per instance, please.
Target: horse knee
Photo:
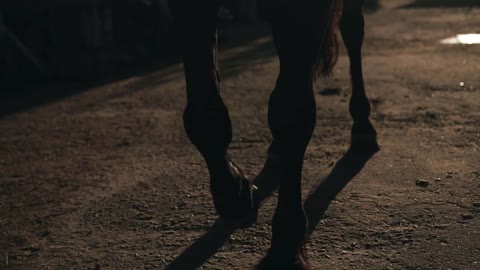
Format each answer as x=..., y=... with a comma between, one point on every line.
x=208, y=127
x=292, y=117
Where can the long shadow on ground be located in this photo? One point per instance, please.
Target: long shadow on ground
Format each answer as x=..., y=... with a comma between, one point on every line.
x=316, y=204
x=17, y=96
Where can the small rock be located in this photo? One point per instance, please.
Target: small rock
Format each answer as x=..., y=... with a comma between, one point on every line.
x=476, y=204
x=437, y=179
x=467, y=216
x=422, y=183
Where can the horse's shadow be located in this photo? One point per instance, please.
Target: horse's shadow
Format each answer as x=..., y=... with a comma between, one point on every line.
x=315, y=205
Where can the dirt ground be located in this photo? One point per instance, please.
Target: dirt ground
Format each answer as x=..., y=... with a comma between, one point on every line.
x=107, y=179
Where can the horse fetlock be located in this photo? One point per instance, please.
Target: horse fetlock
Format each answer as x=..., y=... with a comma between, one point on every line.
x=289, y=229
x=359, y=106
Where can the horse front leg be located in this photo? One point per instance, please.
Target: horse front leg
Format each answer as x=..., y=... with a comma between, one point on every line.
x=291, y=117
x=206, y=118
x=292, y=120
x=352, y=24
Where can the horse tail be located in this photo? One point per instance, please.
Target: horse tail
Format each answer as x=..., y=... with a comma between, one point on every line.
x=327, y=54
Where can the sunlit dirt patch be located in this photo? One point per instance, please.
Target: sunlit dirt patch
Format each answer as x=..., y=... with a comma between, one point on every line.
x=468, y=39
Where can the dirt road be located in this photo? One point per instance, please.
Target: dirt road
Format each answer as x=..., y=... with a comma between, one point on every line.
x=106, y=178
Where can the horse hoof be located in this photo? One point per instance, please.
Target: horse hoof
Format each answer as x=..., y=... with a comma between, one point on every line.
x=276, y=260
x=364, y=144
x=235, y=201
x=364, y=139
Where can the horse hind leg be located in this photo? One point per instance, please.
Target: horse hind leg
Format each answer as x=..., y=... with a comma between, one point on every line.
x=206, y=118
x=364, y=136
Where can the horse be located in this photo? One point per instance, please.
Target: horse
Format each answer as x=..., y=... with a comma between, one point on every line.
x=304, y=34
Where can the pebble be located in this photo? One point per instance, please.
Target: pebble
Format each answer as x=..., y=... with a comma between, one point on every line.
x=467, y=216
x=476, y=204
x=422, y=183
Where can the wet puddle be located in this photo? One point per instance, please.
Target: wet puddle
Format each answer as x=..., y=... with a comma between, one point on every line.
x=468, y=39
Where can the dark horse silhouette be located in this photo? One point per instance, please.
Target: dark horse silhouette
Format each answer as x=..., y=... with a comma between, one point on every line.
x=304, y=36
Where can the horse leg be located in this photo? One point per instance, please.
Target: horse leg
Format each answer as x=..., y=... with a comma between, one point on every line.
x=206, y=118
x=292, y=120
x=364, y=136
x=291, y=116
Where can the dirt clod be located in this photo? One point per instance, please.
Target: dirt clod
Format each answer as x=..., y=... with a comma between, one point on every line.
x=422, y=183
